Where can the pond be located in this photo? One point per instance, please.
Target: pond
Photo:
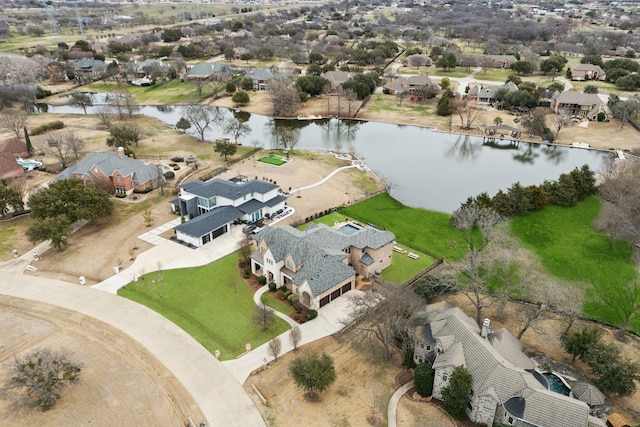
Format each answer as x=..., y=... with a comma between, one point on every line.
x=424, y=168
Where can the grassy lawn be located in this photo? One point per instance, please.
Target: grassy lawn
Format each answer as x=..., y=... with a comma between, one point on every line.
x=276, y=304
x=173, y=92
x=426, y=231
x=570, y=248
x=404, y=268
x=456, y=72
x=495, y=75
x=213, y=304
x=390, y=103
x=274, y=160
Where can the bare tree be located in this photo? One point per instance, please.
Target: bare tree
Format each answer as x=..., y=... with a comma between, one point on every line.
x=236, y=128
x=381, y=316
x=263, y=317
x=561, y=121
x=56, y=146
x=14, y=121
x=285, y=100
x=473, y=269
x=105, y=115
x=466, y=110
x=275, y=347
x=285, y=137
x=75, y=143
x=82, y=100
x=202, y=116
x=295, y=336
x=509, y=282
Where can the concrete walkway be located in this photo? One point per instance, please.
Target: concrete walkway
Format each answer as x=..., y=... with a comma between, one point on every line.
x=323, y=180
x=153, y=236
x=393, y=403
x=220, y=397
x=327, y=323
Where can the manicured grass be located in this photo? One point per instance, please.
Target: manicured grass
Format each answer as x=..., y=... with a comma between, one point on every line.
x=172, y=92
x=404, y=268
x=328, y=220
x=458, y=72
x=274, y=160
x=570, y=248
x=426, y=231
x=213, y=304
x=495, y=74
x=280, y=306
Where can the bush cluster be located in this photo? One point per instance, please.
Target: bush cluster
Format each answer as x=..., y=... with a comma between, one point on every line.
x=47, y=127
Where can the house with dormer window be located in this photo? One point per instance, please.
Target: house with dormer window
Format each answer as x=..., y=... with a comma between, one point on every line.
x=320, y=264
x=211, y=208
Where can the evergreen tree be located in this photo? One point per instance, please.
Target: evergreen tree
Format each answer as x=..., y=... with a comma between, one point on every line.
x=423, y=379
x=28, y=141
x=456, y=395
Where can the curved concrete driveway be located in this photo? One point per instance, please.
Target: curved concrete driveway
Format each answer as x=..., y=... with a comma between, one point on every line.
x=218, y=394
x=393, y=403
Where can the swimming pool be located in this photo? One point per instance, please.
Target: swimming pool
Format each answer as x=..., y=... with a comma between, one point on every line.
x=29, y=164
x=555, y=384
x=349, y=229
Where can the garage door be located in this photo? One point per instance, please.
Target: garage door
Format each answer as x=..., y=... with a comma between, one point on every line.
x=335, y=294
x=220, y=231
x=346, y=288
x=324, y=301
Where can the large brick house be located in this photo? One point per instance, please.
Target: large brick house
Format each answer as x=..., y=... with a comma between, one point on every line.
x=587, y=72
x=414, y=87
x=507, y=387
x=577, y=104
x=320, y=263
x=212, y=207
x=126, y=174
x=261, y=78
x=9, y=151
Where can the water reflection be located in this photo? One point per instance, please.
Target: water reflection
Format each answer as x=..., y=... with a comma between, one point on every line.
x=528, y=155
x=165, y=108
x=464, y=148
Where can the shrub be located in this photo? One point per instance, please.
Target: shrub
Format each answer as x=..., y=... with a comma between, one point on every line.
x=144, y=191
x=176, y=168
x=169, y=174
x=287, y=293
x=177, y=159
x=247, y=272
x=46, y=127
x=311, y=314
x=273, y=286
x=423, y=379
x=121, y=195
x=262, y=280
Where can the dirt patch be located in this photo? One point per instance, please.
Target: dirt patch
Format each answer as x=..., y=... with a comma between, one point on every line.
x=121, y=383
x=359, y=396
x=413, y=413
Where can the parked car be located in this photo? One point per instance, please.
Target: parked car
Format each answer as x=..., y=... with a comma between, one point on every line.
x=249, y=228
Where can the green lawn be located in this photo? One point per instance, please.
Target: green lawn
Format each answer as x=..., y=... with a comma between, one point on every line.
x=426, y=231
x=495, y=74
x=173, y=92
x=205, y=303
x=276, y=304
x=404, y=268
x=568, y=246
x=457, y=72
x=273, y=160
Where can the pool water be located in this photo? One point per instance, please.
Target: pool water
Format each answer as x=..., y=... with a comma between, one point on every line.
x=29, y=164
x=555, y=384
x=349, y=229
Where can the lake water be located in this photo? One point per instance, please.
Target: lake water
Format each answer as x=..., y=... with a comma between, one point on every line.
x=424, y=168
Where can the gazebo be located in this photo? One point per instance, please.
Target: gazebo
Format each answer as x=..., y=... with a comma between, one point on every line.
x=503, y=129
x=588, y=393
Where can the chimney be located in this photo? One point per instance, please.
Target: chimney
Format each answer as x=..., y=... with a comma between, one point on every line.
x=485, y=332
x=121, y=152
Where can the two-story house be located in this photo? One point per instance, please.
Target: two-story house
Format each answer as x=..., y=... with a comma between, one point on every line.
x=587, y=72
x=209, y=70
x=577, y=104
x=415, y=87
x=320, y=263
x=507, y=387
x=212, y=207
x=261, y=77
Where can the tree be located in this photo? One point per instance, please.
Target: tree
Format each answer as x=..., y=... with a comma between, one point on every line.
x=624, y=110
x=448, y=61
x=445, y=105
x=124, y=135
x=202, y=116
x=466, y=110
x=472, y=219
x=82, y=100
x=623, y=299
x=285, y=99
x=423, y=377
x=10, y=198
x=55, y=228
x=105, y=115
x=57, y=146
x=225, y=148
x=275, y=347
x=71, y=198
x=578, y=344
x=171, y=35
x=39, y=377
x=27, y=140
x=147, y=215
x=236, y=128
x=590, y=89
x=522, y=67
x=263, y=317
x=14, y=121
x=295, y=336
x=312, y=85
x=497, y=121
x=313, y=373
x=183, y=124
x=456, y=395
x=240, y=98
x=285, y=137
x=553, y=65
x=381, y=317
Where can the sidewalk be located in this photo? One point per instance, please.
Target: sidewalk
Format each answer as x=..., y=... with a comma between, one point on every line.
x=393, y=403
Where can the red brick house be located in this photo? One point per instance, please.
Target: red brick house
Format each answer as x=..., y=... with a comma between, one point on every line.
x=126, y=174
x=9, y=151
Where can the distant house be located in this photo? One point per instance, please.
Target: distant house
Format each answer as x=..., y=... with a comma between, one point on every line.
x=9, y=151
x=239, y=51
x=507, y=387
x=320, y=264
x=209, y=70
x=587, y=72
x=577, y=104
x=212, y=207
x=488, y=94
x=145, y=68
x=126, y=174
x=415, y=87
x=88, y=67
x=337, y=78
x=262, y=76
x=499, y=61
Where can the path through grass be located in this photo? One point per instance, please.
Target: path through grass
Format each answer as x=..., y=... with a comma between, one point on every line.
x=213, y=304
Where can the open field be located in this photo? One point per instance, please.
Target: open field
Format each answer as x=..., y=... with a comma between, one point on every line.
x=121, y=383
x=213, y=304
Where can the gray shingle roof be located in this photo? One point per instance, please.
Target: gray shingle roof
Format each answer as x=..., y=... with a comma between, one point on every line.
x=109, y=162
x=251, y=206
x=320, y=269
x=210, y=221
x=328, y=238
x=209, y=68
x=492, y=371
x=230, y=190
x=367, y=259
x=578, y=98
